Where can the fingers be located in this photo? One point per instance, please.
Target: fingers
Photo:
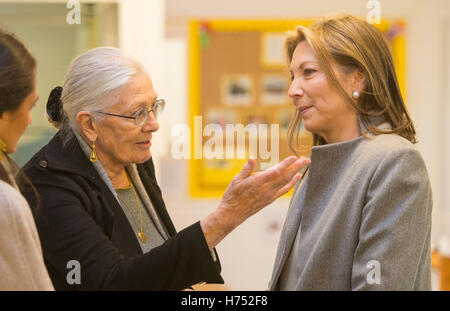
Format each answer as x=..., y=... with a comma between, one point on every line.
x=295, y=168
x=275, y=177
x=289, y=186
x=248, y=192
x=291, y=164
x=282, y=181
x=289, y=173
x=247, y=169
x=284, y=164
x=282, y=173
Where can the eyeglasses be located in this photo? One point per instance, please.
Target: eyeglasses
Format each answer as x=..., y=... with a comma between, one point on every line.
x=141, y=116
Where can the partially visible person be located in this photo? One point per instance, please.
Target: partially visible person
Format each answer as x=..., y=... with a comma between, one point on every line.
x=21, y=261
x=360, y=219
x=101, y=203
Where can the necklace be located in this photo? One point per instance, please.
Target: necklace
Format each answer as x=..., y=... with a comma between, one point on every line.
x=141, y=235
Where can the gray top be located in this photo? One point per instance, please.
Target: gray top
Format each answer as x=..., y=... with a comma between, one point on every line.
x=290, y=273
x=365, y=213
x=128, y=198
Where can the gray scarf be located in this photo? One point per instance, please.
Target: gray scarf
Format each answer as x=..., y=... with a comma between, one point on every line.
x=135, y=179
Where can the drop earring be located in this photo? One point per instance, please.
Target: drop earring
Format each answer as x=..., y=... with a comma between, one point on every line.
x=93, y=156
x=355, y=95
x=3, y=149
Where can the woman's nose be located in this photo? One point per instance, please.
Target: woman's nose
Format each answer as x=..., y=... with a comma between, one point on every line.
x=295, y=89
x=151, y=125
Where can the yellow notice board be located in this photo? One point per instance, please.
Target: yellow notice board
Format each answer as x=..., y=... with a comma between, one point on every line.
x=238, y=76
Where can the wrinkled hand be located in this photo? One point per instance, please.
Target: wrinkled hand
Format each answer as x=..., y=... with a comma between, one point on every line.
x=248, y=193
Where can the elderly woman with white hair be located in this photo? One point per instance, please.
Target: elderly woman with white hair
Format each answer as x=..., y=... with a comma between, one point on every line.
x=101, y=205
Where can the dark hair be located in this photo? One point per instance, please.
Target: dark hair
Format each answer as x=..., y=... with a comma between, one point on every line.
x=17, y=73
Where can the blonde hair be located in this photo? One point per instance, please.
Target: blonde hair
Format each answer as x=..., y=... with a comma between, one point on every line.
x=355, y=45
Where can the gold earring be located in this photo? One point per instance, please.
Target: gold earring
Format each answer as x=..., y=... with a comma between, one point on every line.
x=93, y=156
x=3, y=149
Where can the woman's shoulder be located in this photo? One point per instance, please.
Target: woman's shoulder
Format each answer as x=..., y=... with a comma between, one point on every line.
x=58, y=165
x=385, y=145
x=388, y=142
x=387, y=151
x=12, y=203
x=9, y=194
x=391, y=150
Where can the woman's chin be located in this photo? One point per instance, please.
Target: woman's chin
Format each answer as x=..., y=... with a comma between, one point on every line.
x=144, y=157
x=309, y=126
x=11, y=150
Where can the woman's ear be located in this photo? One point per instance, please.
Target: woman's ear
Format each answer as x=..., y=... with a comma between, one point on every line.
x=87, y=125
x=358, y=80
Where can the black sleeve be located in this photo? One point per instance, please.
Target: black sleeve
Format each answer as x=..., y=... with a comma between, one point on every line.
x=68, y=232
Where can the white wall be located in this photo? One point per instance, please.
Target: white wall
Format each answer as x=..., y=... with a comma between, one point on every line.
x=446, y=122
x=141, y=33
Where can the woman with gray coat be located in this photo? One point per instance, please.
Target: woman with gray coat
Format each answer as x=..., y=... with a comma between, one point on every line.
x=360, y=218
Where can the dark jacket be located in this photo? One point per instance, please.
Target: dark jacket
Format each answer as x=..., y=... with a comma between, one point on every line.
x=78, y=218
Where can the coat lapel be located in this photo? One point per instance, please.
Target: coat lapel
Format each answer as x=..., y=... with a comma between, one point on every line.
x=288, y=233
x=70, y=158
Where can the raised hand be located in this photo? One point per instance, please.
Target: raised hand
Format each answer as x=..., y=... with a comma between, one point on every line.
x=248, y=193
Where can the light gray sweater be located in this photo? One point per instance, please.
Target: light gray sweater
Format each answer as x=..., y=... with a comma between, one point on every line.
x=365, y=214
x=21, y=261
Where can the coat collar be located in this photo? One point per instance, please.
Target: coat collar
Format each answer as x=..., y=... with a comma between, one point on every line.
x=71, y=158
x=68, y=157
x=332, y=154
x=378, y=122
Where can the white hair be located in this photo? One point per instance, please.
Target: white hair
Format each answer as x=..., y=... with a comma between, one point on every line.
x=92, y=81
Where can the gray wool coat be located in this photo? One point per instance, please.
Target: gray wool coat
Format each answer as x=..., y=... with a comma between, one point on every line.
x=359, y=220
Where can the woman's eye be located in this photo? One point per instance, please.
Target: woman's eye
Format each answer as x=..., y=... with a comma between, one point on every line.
x=138, y=110
x=139, y=113
x=308, y=72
